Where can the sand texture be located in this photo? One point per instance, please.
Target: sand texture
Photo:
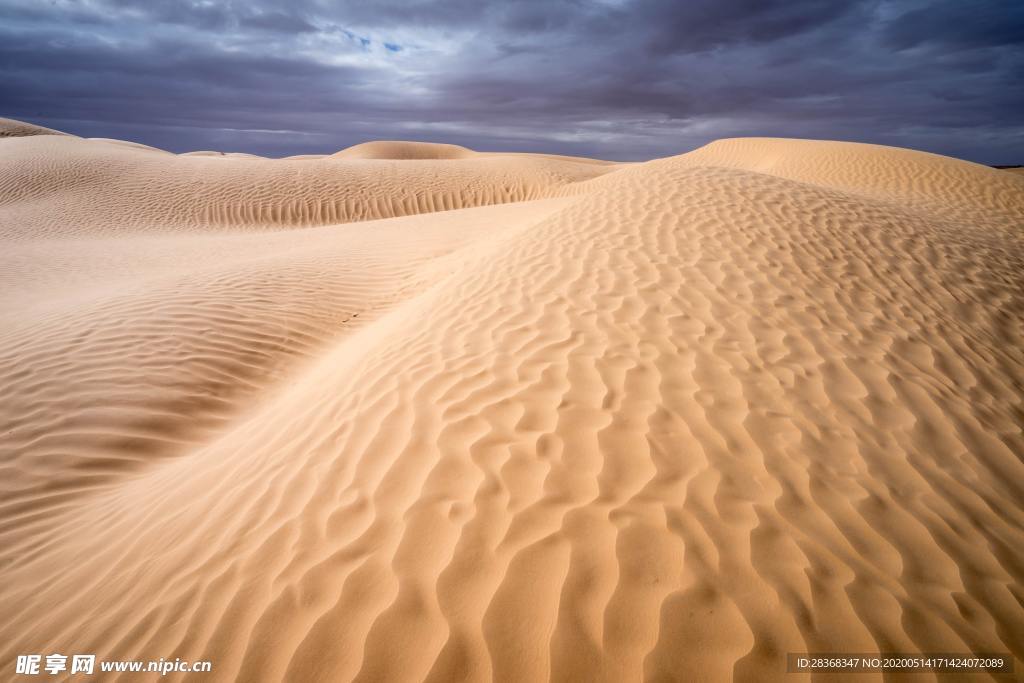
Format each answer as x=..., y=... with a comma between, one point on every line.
x=412, y=412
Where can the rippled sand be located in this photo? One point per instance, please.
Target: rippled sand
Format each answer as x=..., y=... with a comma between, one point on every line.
x=412, y=412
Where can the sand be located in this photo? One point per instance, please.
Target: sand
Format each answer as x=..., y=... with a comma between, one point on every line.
x=412, y=412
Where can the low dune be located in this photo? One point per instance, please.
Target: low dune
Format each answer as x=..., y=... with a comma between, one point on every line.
x=399, y=149
x=413, y=412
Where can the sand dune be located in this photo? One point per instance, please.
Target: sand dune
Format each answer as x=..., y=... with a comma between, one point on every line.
x=9, y=128
x=400, y=149
x=101, y=188
x=414, y=412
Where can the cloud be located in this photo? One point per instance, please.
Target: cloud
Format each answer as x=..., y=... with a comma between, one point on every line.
x=620, y=79
x=953, y=24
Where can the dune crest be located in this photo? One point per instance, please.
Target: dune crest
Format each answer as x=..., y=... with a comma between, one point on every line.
x=509, y=417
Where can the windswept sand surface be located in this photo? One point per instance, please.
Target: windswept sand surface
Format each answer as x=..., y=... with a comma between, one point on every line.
x=411, y=412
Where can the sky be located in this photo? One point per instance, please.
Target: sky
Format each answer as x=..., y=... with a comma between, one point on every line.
x=615, y=79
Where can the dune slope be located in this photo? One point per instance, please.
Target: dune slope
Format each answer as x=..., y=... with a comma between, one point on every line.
x=527, y=419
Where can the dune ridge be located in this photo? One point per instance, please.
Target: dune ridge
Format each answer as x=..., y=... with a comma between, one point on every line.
x=528, y=419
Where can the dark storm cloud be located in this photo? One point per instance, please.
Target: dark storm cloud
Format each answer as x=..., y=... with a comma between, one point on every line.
x=957, y=24
x=612, y=78
x=695, y=26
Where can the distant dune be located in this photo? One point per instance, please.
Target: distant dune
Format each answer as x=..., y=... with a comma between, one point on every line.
x=398, y=149
x=9, y=128
x=413, y=412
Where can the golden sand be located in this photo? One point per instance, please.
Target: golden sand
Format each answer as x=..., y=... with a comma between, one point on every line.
x=412, y=412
